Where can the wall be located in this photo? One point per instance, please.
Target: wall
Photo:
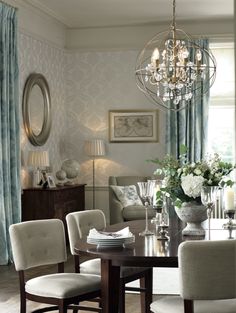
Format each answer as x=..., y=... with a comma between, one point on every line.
x=34, y=22
x=100, y=77
x=82, y=92
x=84, y=87
x=38, y=56
x=94, y=76
x=97, y=82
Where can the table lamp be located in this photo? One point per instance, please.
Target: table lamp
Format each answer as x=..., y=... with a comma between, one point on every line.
x=39, y=160
x=94, y=148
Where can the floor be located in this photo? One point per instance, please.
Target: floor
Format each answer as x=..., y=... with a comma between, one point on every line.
x=9, y=291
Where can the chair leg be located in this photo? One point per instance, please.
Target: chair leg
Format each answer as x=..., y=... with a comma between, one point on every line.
x=146, y=297
x=62, y=306
x=22, y=304
x=22, y=292
x=122, y=297
x=76, y=310
x=188, y=306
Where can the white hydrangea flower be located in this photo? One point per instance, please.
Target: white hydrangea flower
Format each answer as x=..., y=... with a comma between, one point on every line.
x=197, y=171
x=179, y=171
x=192, y=185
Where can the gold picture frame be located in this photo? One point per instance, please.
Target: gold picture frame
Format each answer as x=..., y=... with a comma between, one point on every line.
x=133, y=125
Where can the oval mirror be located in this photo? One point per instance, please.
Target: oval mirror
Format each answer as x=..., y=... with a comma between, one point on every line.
x=37, y=109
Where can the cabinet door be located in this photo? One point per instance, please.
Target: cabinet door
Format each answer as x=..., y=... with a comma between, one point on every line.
x=71, y=199
x=36, y=205
x=63, y=208
x=52, y=203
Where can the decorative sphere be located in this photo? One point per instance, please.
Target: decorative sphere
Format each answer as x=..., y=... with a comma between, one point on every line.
x=71, y=167
x=61, y=175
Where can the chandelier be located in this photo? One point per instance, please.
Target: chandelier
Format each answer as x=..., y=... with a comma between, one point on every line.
x=172, y=68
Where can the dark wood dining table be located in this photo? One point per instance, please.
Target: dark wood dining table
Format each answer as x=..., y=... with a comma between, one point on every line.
x=146, y=251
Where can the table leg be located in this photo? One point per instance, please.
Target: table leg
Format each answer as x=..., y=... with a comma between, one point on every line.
x=146, y=297
x=110, y=279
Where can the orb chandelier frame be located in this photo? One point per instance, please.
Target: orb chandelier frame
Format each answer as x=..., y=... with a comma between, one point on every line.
x=172, y=68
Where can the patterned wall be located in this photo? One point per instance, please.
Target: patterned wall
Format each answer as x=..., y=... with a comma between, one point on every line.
x=41, y=57
x=97, y=82
x=84, y=87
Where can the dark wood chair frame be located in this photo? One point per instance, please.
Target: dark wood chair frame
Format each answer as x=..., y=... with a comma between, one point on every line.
x=58, y=304
x=188, y=306
x=145, y=289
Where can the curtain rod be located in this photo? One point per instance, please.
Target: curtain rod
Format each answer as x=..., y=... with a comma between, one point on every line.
x=4, y=2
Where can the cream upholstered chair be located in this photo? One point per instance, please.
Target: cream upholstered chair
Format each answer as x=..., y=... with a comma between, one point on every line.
x=120, y=213
x=42, y=242
x=207, y=279
x=79, y=224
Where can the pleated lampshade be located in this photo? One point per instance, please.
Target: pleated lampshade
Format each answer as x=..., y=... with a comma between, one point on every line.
x=95, y=147
x=38, y=158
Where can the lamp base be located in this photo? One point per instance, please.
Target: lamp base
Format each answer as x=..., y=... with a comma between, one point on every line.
x=36, y=178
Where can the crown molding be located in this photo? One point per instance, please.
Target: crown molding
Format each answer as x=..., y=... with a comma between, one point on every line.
x=43, y=8
x=38, y=24
x=126, y=38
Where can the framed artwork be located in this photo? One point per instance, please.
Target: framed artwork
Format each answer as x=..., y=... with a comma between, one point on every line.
x=51, y=181
x=133, y=126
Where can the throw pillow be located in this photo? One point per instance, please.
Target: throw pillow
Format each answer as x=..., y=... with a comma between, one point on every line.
x=127, y=195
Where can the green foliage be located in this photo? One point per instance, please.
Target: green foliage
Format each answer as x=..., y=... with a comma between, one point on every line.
x=183, y=180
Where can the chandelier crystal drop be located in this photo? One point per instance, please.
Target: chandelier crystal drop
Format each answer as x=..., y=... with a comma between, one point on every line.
x=172, y=68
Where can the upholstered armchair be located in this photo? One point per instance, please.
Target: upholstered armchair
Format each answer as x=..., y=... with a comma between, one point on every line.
x=133, y=210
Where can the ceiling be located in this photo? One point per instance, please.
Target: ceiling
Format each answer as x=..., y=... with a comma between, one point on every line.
x=108, y=13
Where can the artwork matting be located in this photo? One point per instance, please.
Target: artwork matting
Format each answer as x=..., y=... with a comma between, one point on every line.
x=133, y=126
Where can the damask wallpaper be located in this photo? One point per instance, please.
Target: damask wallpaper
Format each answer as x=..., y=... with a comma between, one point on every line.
x=41, y=57
x=84, y=87
x=97, y=82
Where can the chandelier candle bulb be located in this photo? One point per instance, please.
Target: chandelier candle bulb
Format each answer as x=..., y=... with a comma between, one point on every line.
x=229, y=199
x=155, y=58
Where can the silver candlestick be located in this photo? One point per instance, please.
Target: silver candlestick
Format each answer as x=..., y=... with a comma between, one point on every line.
x=230, y=225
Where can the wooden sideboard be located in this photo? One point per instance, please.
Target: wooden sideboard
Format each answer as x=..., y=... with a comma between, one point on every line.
x=38, y=203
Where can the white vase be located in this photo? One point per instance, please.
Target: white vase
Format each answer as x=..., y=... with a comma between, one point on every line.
x=193, y=214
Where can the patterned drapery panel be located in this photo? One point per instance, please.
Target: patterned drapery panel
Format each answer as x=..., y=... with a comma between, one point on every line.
x=189, y=126
x=10, y=191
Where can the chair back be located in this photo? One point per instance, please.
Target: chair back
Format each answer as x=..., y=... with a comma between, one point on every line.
x=36, y=243
x=126, y=180
x=207, y=269
x=79, y=224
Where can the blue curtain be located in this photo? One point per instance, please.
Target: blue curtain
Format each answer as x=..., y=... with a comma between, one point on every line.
x=189, y=126
x=10, y=191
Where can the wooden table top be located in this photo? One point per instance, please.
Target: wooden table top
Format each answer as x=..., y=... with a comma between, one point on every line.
x=148, y=250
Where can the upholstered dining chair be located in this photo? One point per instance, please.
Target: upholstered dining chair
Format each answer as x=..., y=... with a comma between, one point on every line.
x=207, y=279
x=42, y=242
x=79, y=224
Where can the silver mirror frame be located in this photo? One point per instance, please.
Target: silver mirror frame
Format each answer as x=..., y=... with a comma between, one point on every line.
x=41, y=138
